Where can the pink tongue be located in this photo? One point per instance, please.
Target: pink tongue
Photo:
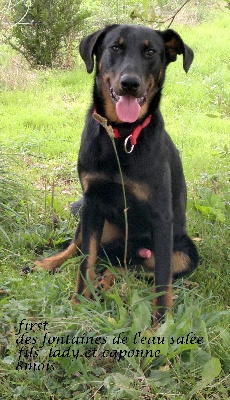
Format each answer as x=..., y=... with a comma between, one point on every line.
x=127, y=109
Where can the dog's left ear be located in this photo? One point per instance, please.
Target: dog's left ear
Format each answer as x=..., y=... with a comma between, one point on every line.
x=88, y=46
x=174, y=45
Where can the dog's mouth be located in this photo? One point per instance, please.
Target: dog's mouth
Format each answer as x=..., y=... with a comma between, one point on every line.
x=127, y=107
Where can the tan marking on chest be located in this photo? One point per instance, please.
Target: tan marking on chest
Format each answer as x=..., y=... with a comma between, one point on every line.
x=88, y=178
x=140, y=190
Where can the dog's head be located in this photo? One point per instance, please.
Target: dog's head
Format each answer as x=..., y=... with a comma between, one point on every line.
x=130, y=67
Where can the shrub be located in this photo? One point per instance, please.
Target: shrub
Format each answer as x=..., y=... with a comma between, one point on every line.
x=41, y=28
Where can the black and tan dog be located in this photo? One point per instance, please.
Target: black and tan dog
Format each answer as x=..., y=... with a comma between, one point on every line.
x=130, y=70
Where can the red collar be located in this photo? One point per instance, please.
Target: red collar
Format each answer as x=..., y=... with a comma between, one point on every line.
x=134, y=135
x=136, y=132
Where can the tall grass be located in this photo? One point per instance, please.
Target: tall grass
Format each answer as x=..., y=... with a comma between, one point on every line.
x=11, y=194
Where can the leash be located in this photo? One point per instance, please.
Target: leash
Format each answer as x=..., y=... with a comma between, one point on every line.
x=114, y=132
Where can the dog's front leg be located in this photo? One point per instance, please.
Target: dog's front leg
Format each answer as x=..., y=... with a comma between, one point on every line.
x=163, y=245
x=92, y=223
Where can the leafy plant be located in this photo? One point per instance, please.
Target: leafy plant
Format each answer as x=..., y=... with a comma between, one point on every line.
x=211, y=204
x=41, y=28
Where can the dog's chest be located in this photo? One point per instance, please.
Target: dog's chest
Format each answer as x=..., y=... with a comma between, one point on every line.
x=112, y=197
x=102, y=186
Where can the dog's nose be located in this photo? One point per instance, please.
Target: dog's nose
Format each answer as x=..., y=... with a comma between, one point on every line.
x=130, y=84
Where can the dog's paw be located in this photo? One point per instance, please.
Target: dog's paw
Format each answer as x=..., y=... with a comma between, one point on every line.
x=48, y=264
x=107, y=280
x=74, y=300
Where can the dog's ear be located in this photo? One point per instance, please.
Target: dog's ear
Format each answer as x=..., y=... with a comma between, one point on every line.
x=174, y=45
x=88, y=46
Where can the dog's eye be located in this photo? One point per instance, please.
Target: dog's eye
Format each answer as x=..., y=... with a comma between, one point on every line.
x=149, y=52
x=115, y=48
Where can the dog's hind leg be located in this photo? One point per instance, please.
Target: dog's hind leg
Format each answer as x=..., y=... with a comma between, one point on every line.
x=76, y=207
x=52, y=263
x=185, y=256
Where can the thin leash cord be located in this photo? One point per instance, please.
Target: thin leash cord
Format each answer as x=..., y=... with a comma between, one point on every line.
x=109, y=130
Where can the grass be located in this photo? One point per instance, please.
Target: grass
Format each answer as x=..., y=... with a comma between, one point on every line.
x=42, y=116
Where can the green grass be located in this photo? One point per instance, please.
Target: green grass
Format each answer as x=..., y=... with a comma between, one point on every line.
x=42, y=116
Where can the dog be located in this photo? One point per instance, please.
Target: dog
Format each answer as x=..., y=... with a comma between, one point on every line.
x=134, y=191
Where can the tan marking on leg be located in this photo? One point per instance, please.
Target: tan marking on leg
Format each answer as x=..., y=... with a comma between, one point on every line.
x=85, y=291
x=169, y=297
x=79, y=278
x=88, y=273
x=90, y=277
x=168, y=303
x=53, y=262
x=92, y=258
